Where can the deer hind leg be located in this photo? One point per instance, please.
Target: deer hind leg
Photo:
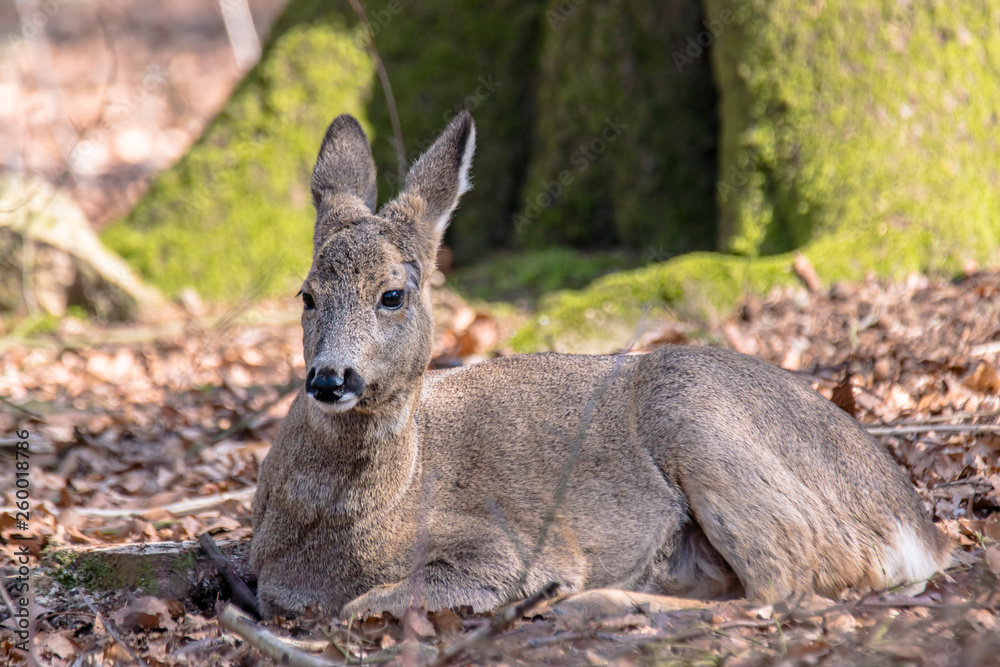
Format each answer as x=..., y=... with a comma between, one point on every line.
x=690, y=567
x=778, y=535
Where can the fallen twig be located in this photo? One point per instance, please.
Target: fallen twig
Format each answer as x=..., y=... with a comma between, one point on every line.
x=182, y=508
x=237, y=587
x=6, y=599
x=945, y=419
x=698, y=630
x=235, y=621
x=20, y=408
x=246, y=419
x=807, y=274
x=503, y=620
x=207, y=644
x=111, y=630
x=937, y=428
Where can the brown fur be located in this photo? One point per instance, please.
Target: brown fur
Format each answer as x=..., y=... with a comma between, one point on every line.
x=692, y=472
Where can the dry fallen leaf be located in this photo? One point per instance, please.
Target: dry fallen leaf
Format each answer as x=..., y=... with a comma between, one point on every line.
x=415, y=620
x=145, y=613
x=993, y=558
x=60, y=644
x=446, y=622
x=843, y=395
x=984, y=378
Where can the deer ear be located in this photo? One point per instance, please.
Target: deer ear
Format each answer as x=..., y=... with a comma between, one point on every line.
x=344, y=175
x=438, y=179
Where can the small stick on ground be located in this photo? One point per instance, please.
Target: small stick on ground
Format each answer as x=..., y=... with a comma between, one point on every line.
x=111, y=631
x=179, y=509
x=240, y=592
x=235, y=621
x=497, y=626
x=938, y=428
x=6, y=599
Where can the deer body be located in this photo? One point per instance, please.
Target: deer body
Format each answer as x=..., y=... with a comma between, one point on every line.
x=692, y=472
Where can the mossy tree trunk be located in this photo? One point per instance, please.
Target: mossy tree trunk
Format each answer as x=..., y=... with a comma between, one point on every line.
x=443, y=57
x=600, y=124
x=233, y=217
x=857, y=118
x=626, y=132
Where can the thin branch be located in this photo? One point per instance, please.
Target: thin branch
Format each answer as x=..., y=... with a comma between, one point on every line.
x=6, y=599
x=238, y=623
x=207, y=644
x=497, y=626
x=33, y=415
x=390, y=99
x=945, y=419
x=248, y=418
x=182, y=508
x=111, y=630
x=936, y=428
x=240, y=592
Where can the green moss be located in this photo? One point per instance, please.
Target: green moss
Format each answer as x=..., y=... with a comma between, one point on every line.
x=62, y=568
x=234, y=215
x=233, y=218
x=860, y=117
x=864, y=134
x=610, y=312
x=157, y=574
x=528, y=275
x=631, y=129
x=89, y=572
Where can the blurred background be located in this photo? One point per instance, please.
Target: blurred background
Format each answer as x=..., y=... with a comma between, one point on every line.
x=813, y=182
x=690, y=146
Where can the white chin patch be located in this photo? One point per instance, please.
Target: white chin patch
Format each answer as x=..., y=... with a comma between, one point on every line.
x=347, y=402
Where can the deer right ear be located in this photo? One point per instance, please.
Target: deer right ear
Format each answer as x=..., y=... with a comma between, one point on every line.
x=437, y=181
x=344, y=176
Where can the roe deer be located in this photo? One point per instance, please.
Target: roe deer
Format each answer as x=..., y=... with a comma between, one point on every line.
x=688, y=471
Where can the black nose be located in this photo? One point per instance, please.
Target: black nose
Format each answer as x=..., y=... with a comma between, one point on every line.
x=329, y=386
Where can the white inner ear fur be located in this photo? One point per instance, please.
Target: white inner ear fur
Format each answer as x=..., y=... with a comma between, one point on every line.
x=464, y=184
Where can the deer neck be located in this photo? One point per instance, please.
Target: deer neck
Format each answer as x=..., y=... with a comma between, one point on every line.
x=372, y=458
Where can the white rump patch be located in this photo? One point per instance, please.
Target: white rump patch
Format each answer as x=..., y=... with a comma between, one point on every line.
x=909, y=559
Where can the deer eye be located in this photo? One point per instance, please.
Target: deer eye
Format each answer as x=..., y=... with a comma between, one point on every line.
x=307, y=301
x=392, y=299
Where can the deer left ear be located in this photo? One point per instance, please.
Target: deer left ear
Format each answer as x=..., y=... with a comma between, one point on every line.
x=438, y=179
x=344, y=164
x=343, y=180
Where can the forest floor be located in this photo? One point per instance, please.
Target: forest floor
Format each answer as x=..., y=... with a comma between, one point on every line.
x=127, y=424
